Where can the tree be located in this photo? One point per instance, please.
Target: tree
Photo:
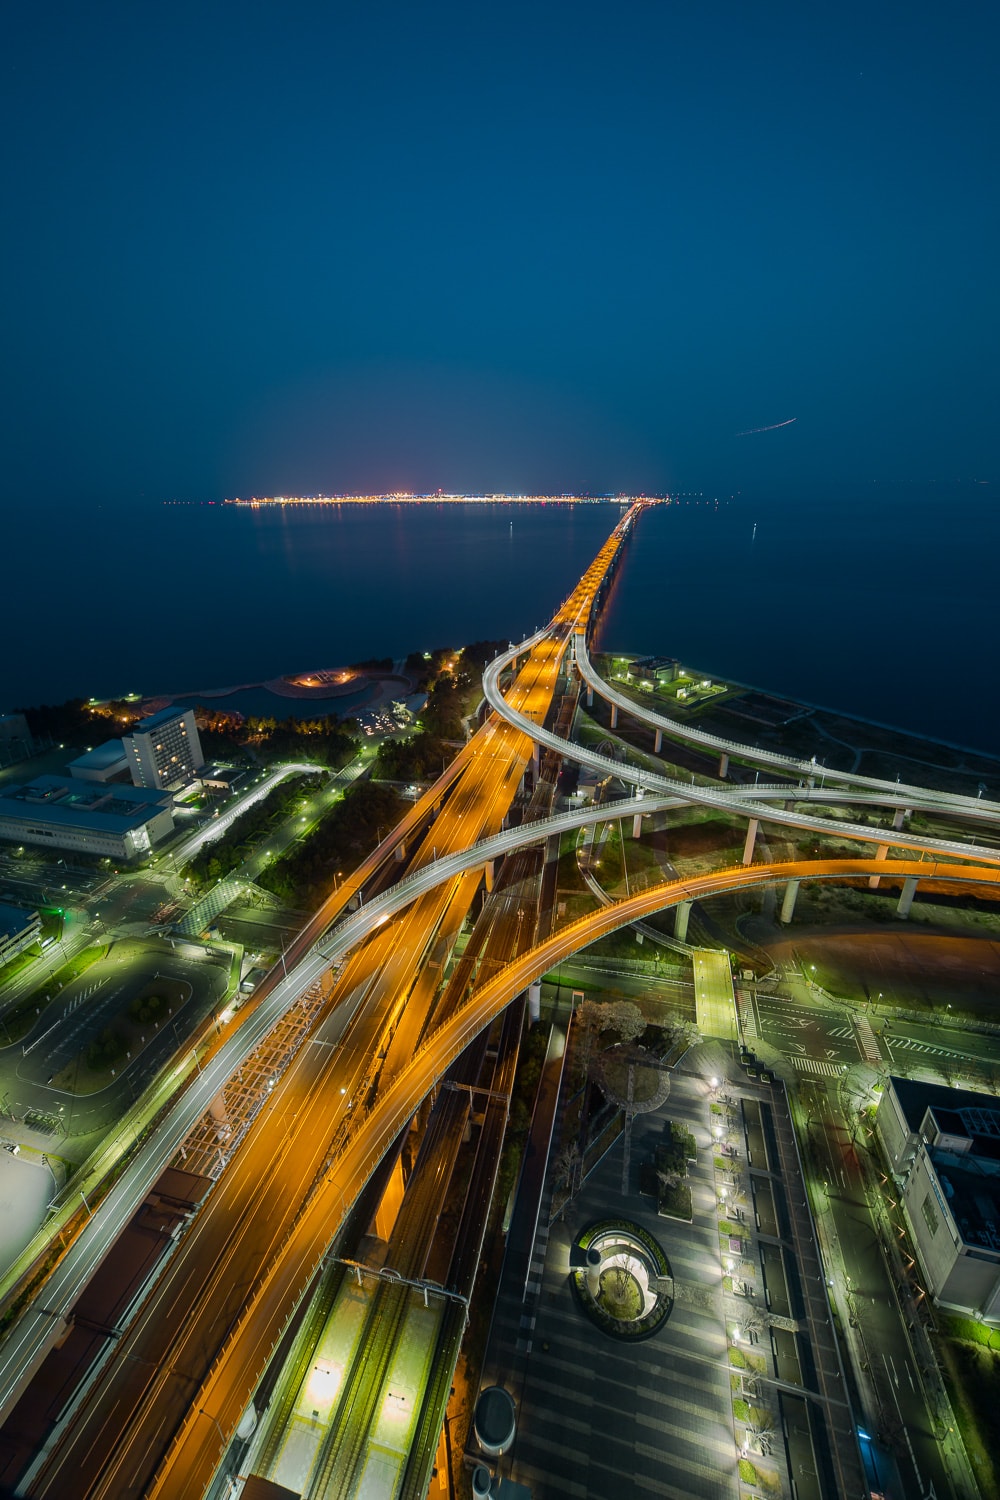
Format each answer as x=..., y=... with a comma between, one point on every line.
x=760, y=1423
x=566, y=1164
x=626, y=1018
x=684, y=1033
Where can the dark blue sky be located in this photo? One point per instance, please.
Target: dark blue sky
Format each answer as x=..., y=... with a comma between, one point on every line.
x=259, y=248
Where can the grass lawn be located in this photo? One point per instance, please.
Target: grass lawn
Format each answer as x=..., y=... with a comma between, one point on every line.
x=972, y=1375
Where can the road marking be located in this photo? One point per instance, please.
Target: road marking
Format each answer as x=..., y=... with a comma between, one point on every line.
x=813, y=1065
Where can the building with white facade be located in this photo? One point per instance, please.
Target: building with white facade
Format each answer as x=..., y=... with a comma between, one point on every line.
x=164, y=751
x=121, y=822
x=943, y=1146
x=107, y=762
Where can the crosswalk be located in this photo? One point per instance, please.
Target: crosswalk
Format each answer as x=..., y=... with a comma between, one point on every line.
x=815, y=1066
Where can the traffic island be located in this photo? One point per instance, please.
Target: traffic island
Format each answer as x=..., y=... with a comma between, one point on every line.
x=622, y=1279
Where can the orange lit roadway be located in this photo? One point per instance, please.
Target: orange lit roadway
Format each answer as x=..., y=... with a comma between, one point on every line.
x=385, y=991
x=377, y=998
x=216, y=1407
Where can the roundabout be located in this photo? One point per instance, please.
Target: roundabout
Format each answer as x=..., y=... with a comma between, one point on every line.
x=622, y=1279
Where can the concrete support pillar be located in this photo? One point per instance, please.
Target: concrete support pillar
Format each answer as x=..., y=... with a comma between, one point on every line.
x=751, y=839
x=898, y=817
x=636, y=825
x=400, y=851
x=536, y=758
x=490, y=870
x=614, y=716
x=534, y=1002
x=658, y=742
x=385, y=1214
x=880, y=853
x=681, y=913
x=788, y=901
x=593, y=1271
x=906, y=896
x=590, y=696
x=723, y=766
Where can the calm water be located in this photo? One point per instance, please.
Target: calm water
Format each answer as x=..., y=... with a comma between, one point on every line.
x=882, y=604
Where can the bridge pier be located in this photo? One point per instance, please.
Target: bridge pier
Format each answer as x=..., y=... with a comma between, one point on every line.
x=788, y=901
x=899, y=815
x=658, y=742
x=534, y=1002
x=906, y=897
x=681, y=913
x=723, y=766
x=751, y=839
x=880, y=853
x=614, y=716
x=590, y=696
x=489, y=871
x=400, y=851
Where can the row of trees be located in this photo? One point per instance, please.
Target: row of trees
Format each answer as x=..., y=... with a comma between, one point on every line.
x=306, y=874
x=215, y=859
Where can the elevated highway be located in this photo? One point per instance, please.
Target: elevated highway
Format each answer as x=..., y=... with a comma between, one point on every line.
x=33, y=1334
x=750, y=755
x=217, y=1406
x=746, y=802
x=22, y=1349
x=382, y=1057
x=385, y=994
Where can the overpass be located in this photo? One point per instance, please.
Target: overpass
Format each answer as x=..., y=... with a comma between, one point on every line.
x=381, y=1061
x=748, y=754
x=382, y=1000
x=217, y=1406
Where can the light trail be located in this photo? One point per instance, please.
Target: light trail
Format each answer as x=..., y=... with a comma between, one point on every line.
x=773, y=427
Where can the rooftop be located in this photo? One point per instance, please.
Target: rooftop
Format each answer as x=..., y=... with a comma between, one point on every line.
x=916, y=1098
x=14, y=919
x=79, y=804
x=961, y=1132
x=156, y=721
x=102, y=756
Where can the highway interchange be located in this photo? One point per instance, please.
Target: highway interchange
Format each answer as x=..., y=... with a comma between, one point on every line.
x=340, y=1107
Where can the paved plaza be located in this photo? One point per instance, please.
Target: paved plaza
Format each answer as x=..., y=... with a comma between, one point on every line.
x=599, y=1418
x=673, y=1416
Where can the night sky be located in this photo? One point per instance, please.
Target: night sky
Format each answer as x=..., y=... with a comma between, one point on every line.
x=259, y=248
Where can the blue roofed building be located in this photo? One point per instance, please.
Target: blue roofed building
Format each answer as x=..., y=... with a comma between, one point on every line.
x=54, y=812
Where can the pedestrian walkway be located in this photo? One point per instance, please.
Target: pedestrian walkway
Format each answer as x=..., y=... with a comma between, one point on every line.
x=715, y=1003
x=866, y=1040
x=208, y=908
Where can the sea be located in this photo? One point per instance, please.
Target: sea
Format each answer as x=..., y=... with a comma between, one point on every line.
x=878, y=601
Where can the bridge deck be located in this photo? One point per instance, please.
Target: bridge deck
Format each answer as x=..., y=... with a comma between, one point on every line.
x=713, y=994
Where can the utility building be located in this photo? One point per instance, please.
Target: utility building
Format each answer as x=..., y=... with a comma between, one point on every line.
x=943, y=1146
x=121, y=822
x=164, y=751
